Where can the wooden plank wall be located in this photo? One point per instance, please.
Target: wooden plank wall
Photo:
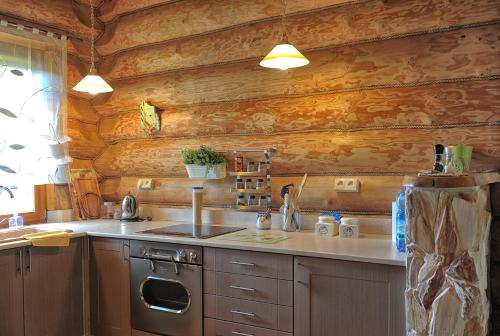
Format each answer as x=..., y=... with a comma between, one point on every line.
x=387, y=80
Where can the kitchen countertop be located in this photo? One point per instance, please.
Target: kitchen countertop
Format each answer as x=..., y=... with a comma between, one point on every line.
x=368, y=248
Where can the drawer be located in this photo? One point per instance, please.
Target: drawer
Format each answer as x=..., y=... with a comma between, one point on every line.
x=270, y=265
x=224, y=328
x=276, y=291
x=258, y=314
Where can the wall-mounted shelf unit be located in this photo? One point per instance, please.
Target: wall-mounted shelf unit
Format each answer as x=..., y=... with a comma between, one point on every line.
x=265, y=175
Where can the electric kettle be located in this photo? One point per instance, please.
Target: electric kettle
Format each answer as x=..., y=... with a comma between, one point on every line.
x=129, y=208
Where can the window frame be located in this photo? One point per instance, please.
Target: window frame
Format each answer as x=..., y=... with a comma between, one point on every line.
x=39, y=215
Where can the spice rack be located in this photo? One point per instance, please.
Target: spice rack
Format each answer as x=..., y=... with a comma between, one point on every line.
x=265, y=189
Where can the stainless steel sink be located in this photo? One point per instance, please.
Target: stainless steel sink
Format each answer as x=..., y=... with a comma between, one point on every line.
x=10, y=235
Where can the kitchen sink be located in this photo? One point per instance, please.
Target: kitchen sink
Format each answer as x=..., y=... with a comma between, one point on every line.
x=10, y=235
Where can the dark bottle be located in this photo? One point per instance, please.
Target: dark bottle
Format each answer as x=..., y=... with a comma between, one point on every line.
x=438, y=158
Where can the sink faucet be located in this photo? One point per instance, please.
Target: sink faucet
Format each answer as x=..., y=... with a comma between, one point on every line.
x=11, y=196
x=8, y=190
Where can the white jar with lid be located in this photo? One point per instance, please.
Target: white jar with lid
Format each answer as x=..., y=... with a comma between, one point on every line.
x=349, y=228
x=327, y=226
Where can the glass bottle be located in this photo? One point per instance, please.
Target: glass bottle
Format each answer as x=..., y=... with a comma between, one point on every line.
x=249, y=184
x=240, y=184
x=240, y=200
x=263, y=201
x=252, y=201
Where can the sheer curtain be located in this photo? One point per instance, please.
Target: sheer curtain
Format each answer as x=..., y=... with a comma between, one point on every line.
x=33, y=145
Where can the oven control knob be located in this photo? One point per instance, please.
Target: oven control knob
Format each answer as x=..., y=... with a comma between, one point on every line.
x=193, y=256
x=182, y=255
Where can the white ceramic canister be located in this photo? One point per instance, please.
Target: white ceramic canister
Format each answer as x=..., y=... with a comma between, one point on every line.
x=327, y=226
x=349, y=228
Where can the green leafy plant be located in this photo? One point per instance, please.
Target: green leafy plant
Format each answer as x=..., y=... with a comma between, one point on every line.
x=204, y=156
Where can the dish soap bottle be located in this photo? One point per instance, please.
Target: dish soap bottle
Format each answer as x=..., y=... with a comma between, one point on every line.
x=400, y=221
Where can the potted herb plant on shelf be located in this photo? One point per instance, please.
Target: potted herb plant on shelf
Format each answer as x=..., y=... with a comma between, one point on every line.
x=204, y=163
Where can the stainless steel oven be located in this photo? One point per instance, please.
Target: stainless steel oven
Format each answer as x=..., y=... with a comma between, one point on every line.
x=166, y=288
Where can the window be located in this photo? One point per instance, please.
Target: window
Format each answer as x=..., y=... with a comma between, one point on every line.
x=32, y=123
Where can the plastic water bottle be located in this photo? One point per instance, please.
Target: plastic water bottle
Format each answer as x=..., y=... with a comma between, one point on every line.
x=401, y=222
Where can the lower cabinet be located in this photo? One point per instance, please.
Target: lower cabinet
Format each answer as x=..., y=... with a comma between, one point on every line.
x=342, y=298
x=44, y=291
x=110, y=287
x=11, y=293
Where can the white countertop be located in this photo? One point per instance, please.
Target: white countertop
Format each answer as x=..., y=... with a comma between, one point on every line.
x=368, y=248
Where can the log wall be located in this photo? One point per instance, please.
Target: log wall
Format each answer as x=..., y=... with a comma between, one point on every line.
x=387, y=80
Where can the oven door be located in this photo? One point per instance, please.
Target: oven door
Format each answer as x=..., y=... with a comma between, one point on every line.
x=166, y=297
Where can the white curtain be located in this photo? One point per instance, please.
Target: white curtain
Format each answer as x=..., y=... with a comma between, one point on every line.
x=33, y=145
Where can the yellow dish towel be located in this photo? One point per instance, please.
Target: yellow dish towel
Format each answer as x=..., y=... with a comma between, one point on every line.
x=49, y=238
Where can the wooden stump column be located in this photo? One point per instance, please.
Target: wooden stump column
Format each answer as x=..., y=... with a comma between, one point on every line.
x=448, y=240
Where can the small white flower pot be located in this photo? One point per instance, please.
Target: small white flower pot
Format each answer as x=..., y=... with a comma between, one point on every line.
x=201, y=172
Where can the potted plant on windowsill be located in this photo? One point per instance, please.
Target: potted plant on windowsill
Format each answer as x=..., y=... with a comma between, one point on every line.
x=204, y=163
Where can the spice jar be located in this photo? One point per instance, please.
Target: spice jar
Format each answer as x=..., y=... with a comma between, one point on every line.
x=240, y=200
x=250, y=166
x=239, y=183
x=238, y=162
x=263, y=201
x=249, y=184
x=260, y=184
x=261, y=167
x=252, y=201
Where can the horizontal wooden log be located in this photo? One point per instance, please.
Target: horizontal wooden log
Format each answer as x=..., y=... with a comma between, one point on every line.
x=409, y=61
x=85, y=143
x=111, y=9
x=376, y=192
x=450, y=103
x=312, y=30
x=81, y=109
x=184, y=18
x=402, y=151
x=56, y=14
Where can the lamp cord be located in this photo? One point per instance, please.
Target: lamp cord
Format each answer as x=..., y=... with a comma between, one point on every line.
x=283, y=23
x=92, y=21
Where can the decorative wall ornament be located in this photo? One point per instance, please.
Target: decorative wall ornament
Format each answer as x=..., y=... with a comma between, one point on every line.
x=150, y=121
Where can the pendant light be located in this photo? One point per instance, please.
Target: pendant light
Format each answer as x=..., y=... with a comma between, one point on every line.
x=92, y=83
x=284, y=56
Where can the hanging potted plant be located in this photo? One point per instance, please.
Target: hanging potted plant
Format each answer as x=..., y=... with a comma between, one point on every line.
x=204, y=163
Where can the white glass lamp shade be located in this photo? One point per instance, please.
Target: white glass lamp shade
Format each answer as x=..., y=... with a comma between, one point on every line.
x=284, y=56
x=93, y=84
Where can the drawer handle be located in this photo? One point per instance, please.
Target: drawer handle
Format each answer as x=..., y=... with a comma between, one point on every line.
x=242, y=263
x=242, y=313
x=243, y=288
x=240, y=333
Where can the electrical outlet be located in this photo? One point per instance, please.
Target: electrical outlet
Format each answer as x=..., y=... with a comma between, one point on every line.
x=145, y=184
x=347, y=185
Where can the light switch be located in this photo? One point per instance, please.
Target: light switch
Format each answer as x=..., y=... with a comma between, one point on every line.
x=347, y=185
x=145, y=184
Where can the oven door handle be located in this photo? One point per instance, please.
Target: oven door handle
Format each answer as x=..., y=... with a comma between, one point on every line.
x=168, y=258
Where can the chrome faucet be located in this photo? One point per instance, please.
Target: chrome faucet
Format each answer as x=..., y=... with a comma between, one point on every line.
x=8, y=190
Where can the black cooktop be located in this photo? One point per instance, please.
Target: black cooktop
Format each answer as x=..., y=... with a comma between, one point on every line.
x=193, y=231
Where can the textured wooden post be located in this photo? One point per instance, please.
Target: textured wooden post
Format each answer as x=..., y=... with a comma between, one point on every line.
x=448, y=238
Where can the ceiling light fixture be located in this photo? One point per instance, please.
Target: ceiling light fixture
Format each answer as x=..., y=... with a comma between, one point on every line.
x=284, y=55
x=92, y=83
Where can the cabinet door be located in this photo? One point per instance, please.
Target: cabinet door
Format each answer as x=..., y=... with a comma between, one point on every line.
x=53, y=290
x=342, y=298
x=11, y=293
x=110, y=287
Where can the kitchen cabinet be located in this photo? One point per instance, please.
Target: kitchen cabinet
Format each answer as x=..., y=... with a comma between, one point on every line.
x=53, y=290
x=110, y=287
x=11, y=293
x=247, y=293
x=334, y=297
x=42, y=291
